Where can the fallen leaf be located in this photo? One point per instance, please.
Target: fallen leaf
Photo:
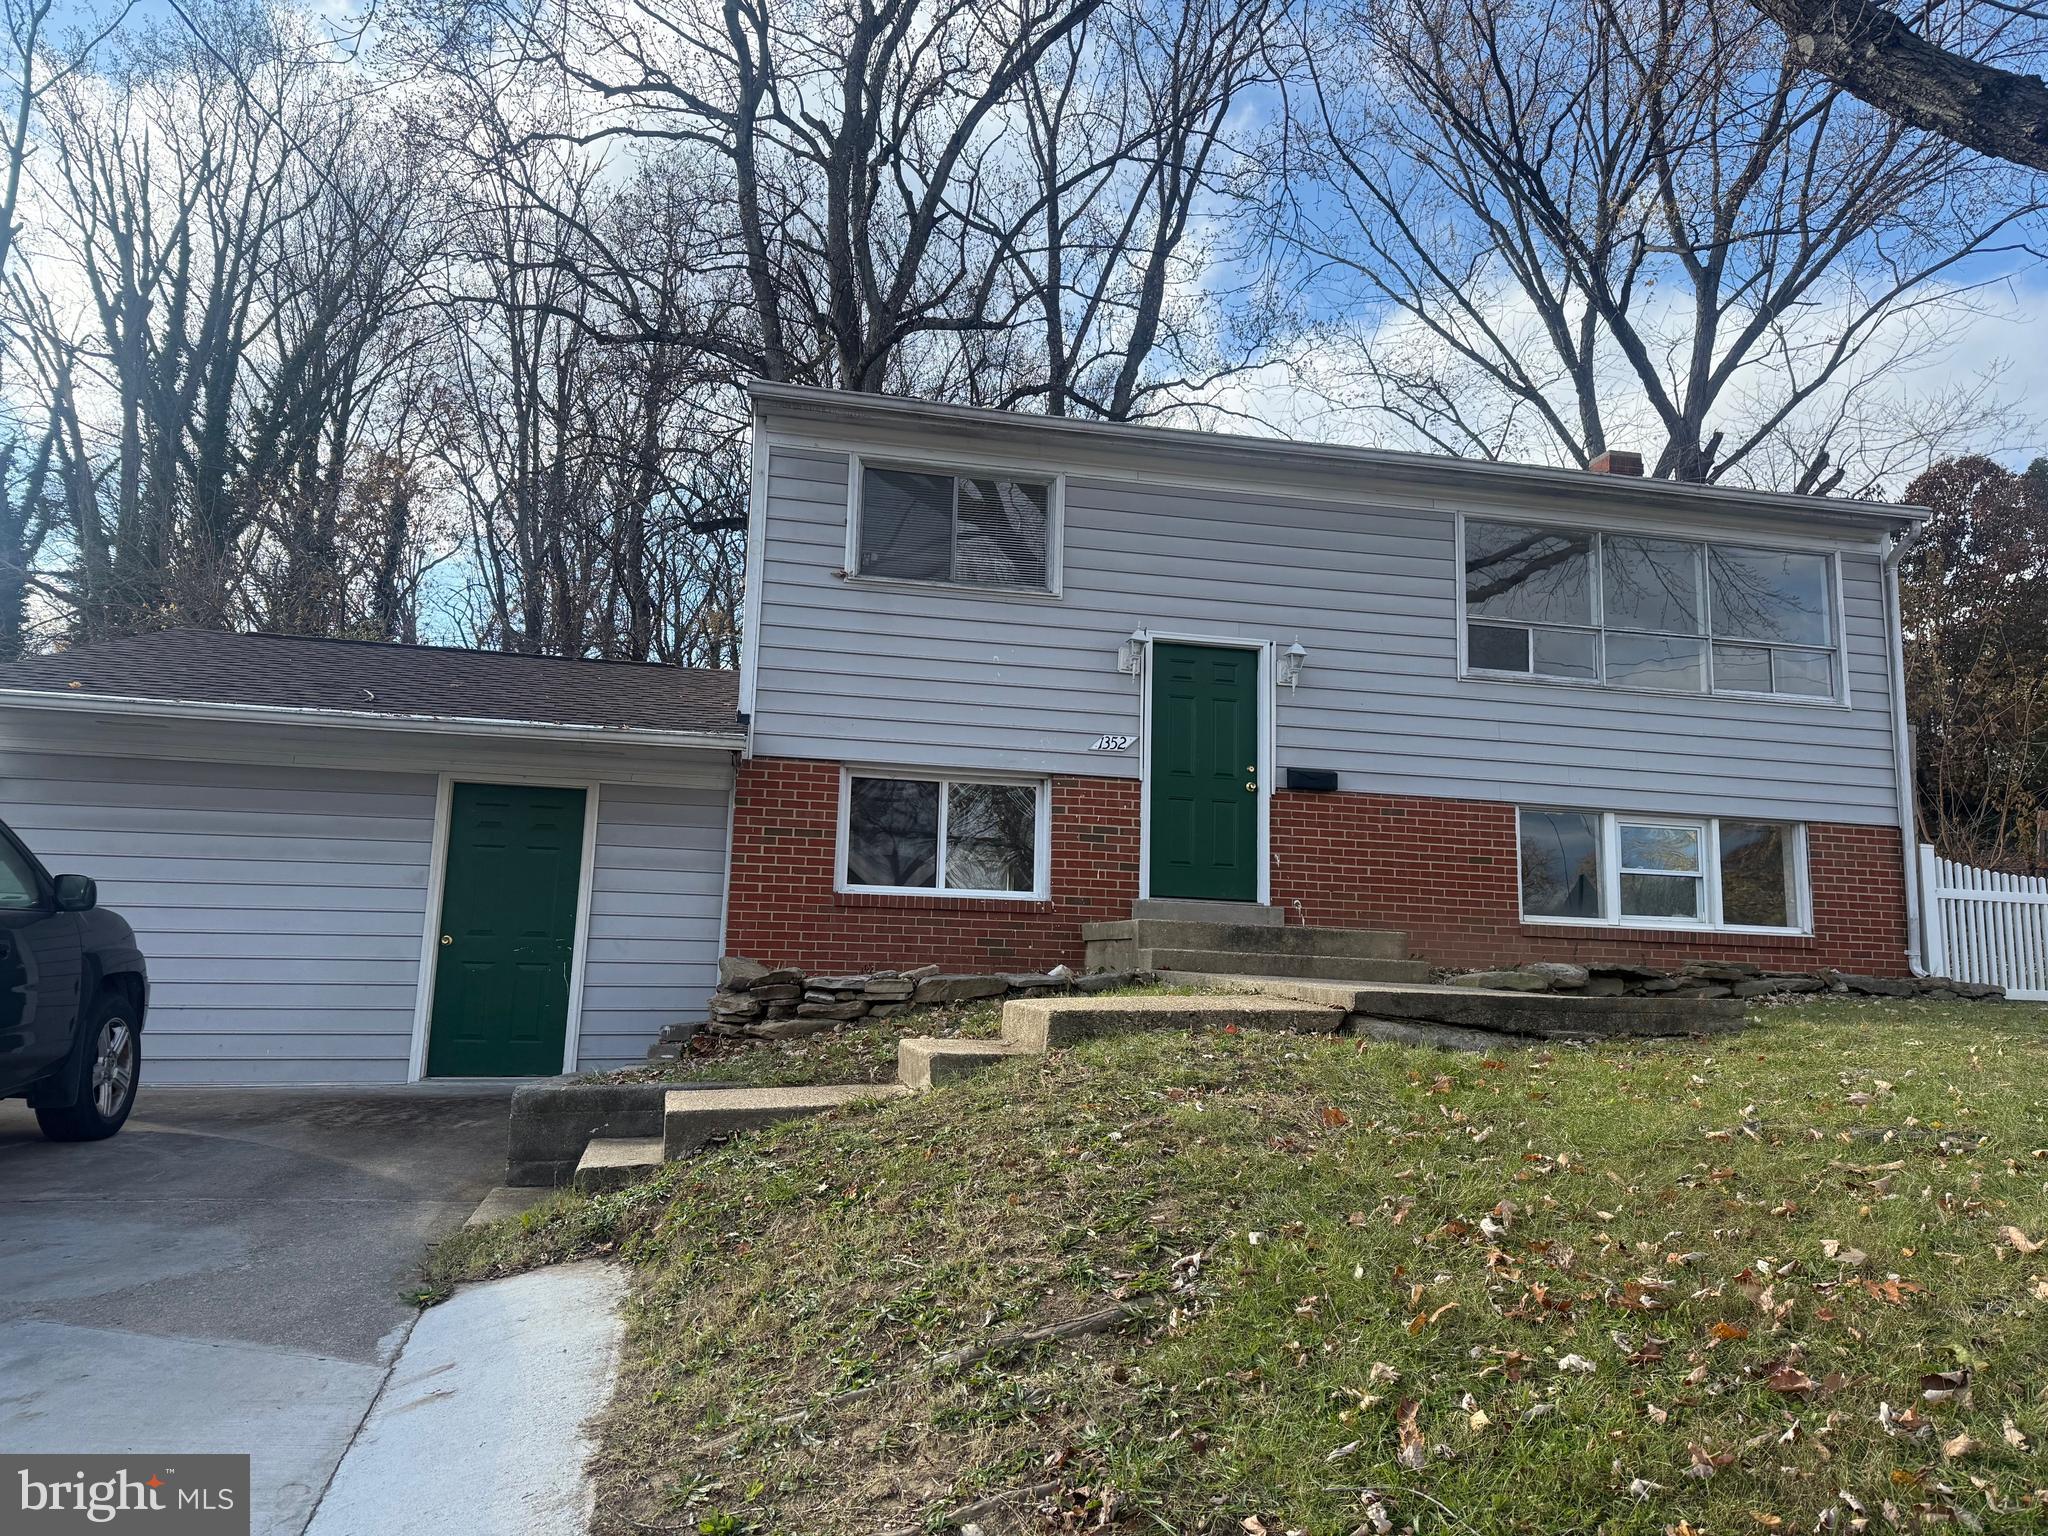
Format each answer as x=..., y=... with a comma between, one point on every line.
x=1414, y=1450
x=2019, y=1240
x=1335, y=1118
x=1705, y=1464
x=1959, y=1446
x=1945, y=1386
x=2013, y=1437
x=1577, y=1363
x=1729, y=1331
x=1788, y=1378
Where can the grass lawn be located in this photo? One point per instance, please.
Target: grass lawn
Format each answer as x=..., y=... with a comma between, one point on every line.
x=860, y=1052
x=1784, y=1281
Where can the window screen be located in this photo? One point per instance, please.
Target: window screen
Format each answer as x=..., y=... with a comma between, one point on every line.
x=906, y=525
x=978, y=530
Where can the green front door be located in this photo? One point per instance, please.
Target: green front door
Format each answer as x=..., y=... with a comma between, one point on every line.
x=1205, y=772
x=508, y=931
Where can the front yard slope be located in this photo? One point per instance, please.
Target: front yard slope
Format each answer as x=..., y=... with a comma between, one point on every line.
x=1784, y=1281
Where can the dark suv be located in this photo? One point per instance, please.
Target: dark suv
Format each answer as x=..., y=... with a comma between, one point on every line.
x=72, y=993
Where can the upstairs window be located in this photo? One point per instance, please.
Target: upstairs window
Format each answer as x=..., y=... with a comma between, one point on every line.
x=974, y=530
x=1634, y=611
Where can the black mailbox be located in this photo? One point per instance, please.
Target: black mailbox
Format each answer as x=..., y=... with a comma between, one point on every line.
x=1317, y=781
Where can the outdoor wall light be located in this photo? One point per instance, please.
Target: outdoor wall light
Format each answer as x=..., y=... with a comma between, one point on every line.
x=1130, y=655
x=1292, y=660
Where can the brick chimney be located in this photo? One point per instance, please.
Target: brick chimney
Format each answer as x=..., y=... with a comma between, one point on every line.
x=1616, y=462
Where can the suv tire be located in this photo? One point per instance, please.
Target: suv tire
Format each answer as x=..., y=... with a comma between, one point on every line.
x=103, y=1076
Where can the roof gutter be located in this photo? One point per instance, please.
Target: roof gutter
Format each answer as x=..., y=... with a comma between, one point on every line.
x=1902, y=751
x=346, y=719
x=1285, y=455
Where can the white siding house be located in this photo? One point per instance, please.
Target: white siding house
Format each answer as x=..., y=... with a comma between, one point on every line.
x=281, y=864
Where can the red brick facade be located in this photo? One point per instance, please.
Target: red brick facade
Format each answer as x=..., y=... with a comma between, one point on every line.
x=1441, y=870
x=782, y=908
x=1444, y=871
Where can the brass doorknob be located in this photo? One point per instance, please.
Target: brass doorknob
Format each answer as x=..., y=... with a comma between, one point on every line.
x=446, y=939
x=1252, y=788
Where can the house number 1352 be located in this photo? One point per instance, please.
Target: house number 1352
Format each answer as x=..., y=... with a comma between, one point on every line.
x=1113, y=743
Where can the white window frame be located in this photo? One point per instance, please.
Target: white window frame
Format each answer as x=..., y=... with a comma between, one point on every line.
x=1612, y=869
x=1055, y=523
x=1041, y=834
x=1837, y=607
x=1799, y=886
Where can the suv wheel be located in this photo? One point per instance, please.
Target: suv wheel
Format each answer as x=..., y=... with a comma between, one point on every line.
x=103, y=1077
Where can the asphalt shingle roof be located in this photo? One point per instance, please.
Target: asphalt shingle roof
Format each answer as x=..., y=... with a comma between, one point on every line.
x=365, y=677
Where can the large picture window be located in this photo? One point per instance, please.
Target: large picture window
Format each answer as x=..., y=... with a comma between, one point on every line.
x=965, y=836
x=981, y=531
x=1661, y=872
x=1638, y=612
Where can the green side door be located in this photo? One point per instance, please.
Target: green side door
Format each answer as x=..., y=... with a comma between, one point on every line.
x=508, y=931
x=1204, y=766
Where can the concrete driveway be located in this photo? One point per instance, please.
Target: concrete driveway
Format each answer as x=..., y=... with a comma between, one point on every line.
x=227, y=1273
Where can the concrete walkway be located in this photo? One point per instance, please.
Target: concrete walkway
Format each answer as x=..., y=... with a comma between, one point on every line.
x=481, y=1426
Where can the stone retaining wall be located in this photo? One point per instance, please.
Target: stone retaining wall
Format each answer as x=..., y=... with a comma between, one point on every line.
x=760, y=1002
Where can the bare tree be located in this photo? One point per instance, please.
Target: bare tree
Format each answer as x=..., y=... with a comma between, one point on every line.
x=1129, y=134
x=1942, y=84
x=213, y=320
x=1603, y=216
x=36, y=62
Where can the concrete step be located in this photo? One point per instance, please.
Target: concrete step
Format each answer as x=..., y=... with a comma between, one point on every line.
x=925, y=1061
x=1052, y=1023
x=1465, y=1017
x=1291, y=939
x=1236, y=962
x=694, y=1117
x=1243, y=913
x=613, y=1162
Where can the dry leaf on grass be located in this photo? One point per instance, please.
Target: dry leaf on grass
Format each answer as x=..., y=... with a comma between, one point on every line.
x=1414, y=1450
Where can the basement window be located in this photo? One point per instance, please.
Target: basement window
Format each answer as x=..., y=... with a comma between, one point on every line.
x=1615, y=870
x=913, y=834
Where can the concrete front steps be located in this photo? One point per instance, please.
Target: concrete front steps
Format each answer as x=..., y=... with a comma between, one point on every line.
x=1236, y=938
x=1457, y=1018
x=693, y=1118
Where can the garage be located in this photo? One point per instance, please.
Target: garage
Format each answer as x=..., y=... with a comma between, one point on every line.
x=349, y=862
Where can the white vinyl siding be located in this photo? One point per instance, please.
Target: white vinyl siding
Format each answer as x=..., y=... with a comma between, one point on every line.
x=279, y=908
x=654, y=904
x=941, y=678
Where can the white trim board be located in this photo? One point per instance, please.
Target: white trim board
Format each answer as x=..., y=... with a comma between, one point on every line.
x=489, y=759
x=1267, y=751
x=350, y=719
x=437, y=872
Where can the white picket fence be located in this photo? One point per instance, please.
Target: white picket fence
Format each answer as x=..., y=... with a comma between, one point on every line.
x=1985, y=926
